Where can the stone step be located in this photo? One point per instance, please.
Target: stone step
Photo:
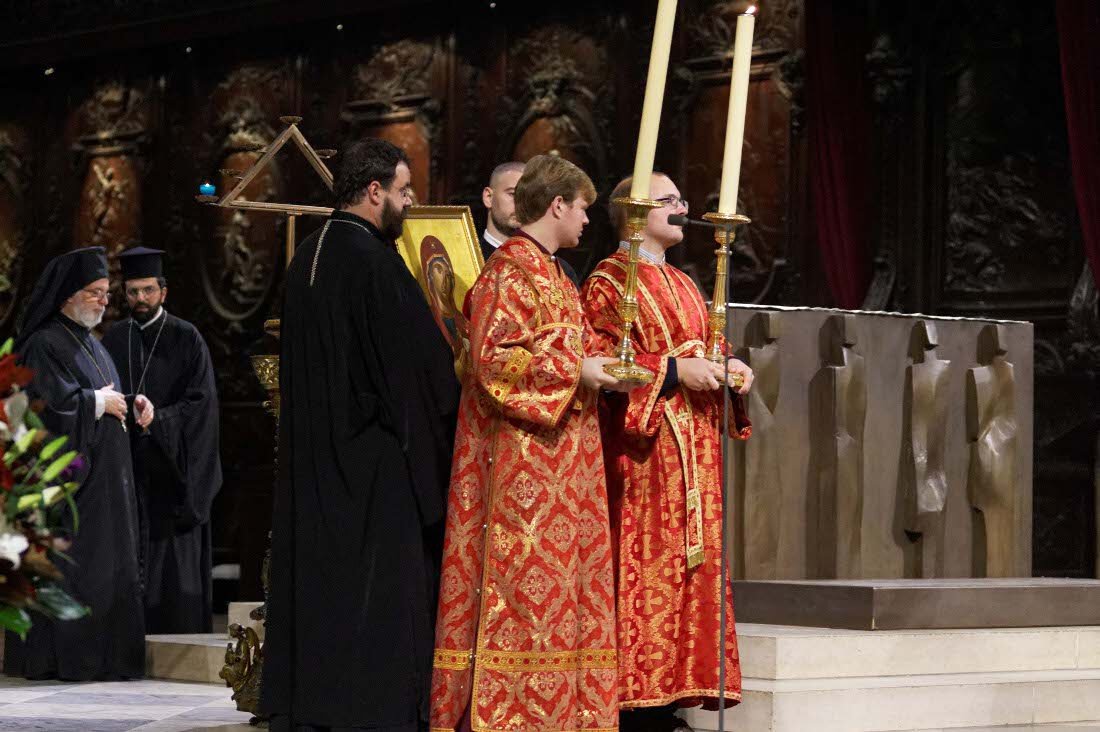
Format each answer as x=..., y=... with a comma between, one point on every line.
x=906, y=703
x=894, y=604
x=831, y=680
x=196, y=657
x=776, y=652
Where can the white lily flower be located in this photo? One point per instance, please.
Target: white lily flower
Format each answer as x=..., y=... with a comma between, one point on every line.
x=12, y=546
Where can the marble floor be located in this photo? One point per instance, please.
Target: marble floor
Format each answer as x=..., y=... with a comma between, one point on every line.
x=148, y=706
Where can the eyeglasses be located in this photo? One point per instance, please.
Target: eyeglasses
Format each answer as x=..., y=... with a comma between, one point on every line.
x=147, y=291
x=674, y=201
x=97, y=294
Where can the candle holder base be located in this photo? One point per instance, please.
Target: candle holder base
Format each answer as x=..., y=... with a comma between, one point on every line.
x=630, y=373
x=625, y=369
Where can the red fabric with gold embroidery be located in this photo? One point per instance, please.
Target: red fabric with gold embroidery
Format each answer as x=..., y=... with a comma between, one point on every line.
x=664, y=479
x=537, y=598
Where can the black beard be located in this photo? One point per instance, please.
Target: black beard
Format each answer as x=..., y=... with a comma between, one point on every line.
x=502, y=227
x=145, y=316
x=393, y=220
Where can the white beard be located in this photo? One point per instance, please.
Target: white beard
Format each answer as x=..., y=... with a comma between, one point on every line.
x=87, y=316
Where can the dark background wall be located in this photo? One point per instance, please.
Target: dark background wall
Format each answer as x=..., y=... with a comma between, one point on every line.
x=970, y=210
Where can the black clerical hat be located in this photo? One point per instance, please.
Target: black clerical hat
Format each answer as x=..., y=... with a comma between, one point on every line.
x=141, y=262
x=61, y=279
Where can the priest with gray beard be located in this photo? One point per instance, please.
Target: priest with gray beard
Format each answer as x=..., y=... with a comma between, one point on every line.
x=77, y=385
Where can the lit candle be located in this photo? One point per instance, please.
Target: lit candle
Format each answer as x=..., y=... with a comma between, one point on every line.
x=735, y=122
x=654, y=96
x=207, y=189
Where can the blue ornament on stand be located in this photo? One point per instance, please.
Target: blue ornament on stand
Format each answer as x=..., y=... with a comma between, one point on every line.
x=207, y=189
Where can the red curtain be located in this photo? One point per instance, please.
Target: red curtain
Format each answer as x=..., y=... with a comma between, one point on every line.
x=838, y=121
x=1078, y=36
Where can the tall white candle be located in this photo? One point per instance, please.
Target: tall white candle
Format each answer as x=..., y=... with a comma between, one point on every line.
x=735, y=122
x=654, y=96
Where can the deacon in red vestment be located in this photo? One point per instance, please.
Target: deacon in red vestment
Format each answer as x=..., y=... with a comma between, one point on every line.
x=662, y=446
x=525, y=638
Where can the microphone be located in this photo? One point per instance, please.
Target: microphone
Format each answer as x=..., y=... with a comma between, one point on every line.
x=678, y=220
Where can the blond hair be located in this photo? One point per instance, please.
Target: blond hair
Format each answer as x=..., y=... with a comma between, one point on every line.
x=545, y=178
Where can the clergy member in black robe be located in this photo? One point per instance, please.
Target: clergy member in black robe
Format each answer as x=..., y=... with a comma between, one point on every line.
x=177, y=468
x=76, y=381
x=369, y=398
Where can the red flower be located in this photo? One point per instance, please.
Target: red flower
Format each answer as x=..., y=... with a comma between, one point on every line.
x=7, y=480
x=12, y=374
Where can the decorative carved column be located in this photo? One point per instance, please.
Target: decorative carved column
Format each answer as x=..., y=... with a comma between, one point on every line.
x=113, y=125
x=393, y=97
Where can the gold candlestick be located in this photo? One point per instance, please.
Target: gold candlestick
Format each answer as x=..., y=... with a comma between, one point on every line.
x=724, y=236
x=625, y=369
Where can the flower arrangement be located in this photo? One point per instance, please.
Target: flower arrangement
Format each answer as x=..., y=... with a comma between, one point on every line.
x=35, y=474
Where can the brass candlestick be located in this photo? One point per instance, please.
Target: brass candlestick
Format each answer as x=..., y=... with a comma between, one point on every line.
x=625, y=369
x=724, y=236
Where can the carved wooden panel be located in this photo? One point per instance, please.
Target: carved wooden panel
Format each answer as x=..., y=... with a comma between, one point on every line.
x=113, y=126
x=700, y=90
x=15, y=203
x=393, y=98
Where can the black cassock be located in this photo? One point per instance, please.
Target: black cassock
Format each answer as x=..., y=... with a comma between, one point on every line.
x=369, y=398
x=69, y=365
x=177, y=468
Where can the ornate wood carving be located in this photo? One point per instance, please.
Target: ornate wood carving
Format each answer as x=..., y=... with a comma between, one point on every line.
x=393, y=98
x=113, y=124
x=15, y=184
x=241, y=260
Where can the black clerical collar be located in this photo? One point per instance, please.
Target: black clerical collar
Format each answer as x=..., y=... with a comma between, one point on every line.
x=356, y=219
x=160, y=313
x=71, y=324
x=536, y=242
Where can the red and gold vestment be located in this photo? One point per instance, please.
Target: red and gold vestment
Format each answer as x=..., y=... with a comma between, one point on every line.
x=526, y=611
x=664, y=468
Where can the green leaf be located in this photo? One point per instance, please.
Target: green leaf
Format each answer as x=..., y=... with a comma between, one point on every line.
x=30, y=418
x=52, y=447
x=7, y=348
x=57, y=466
x=15, y=619
x=56, y=603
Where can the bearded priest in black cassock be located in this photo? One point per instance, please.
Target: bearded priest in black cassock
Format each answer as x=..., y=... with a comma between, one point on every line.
x=177, y=468
x=369, y=398
x=79, y=387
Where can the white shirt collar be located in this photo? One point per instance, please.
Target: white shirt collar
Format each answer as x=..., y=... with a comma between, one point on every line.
x=150, y=321
x=658, y=259
x=493, y=241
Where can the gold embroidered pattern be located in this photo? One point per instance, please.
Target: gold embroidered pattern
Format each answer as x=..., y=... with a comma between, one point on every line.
x=528, y=662
x=500, y=387
x=452, y=660
x=551, y=326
